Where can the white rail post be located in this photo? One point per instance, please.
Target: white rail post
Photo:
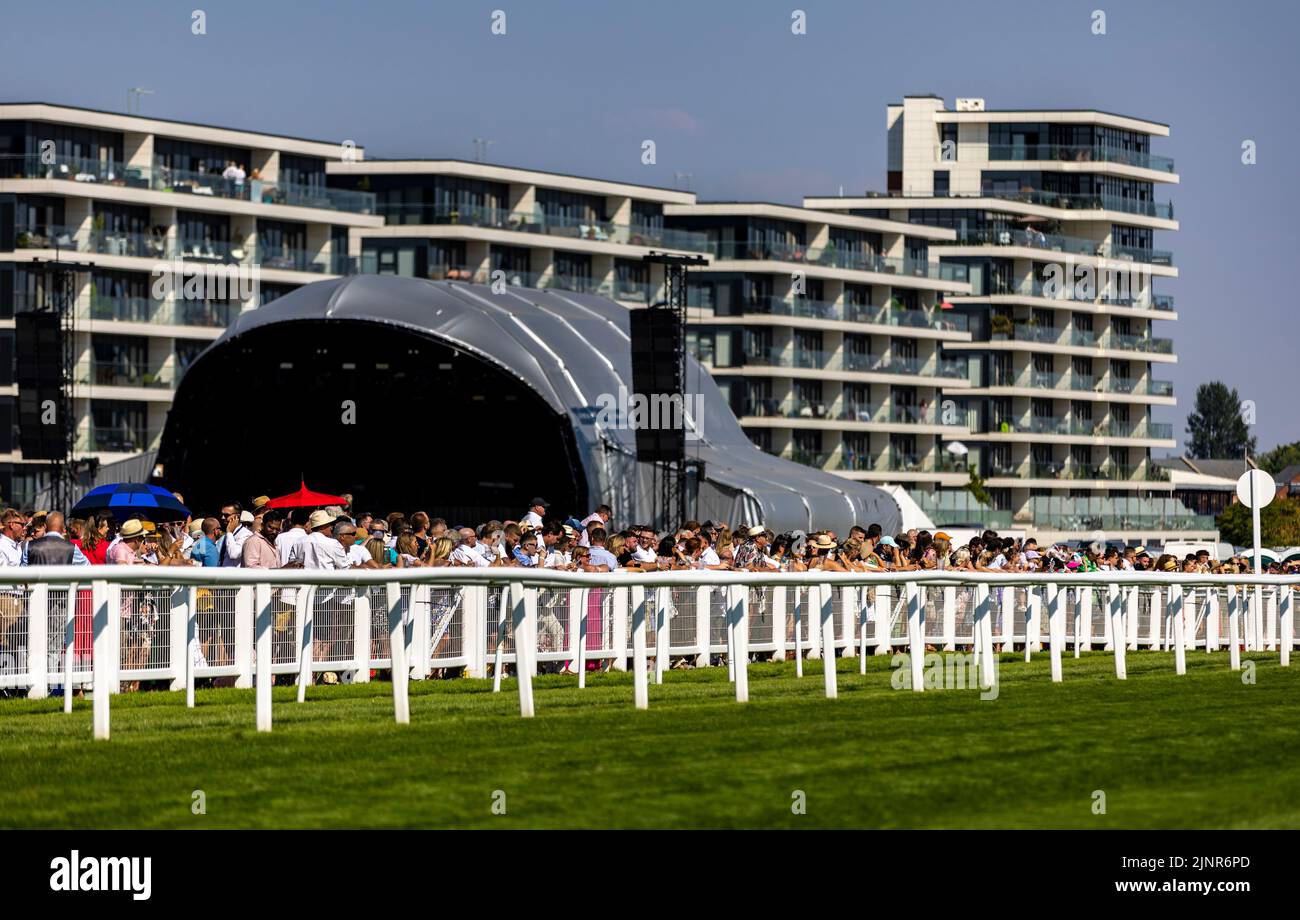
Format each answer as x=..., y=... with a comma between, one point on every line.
x=1117, y=630
x=1007, y=608
x=703, y=626
x=265, y=619
x=1055, y=628
x=1180, y=633
x=503, y=620
x=884, y=618
x=814, y=622
x=103, y=667
x=1270, y=619
x=69, y=643
x=115, y=636
x=397, y=650
x=191, y=643
x=1033, y=621
x=525, y=610
x=1287, y=624
x=640, y=681
x=38, y=641
x=778, y=623
x=417, y=629
x=1257, y=618
x=1248, y=614
x=866, y=611
x=828, y=640
x=180, y=617
x=982, y=635
x=1155, y=620
x=1234, y=629
x=1212, y=619
x=618, y=628
x=244, y=636
x=741, y=618
x=361, y=623
x=582, y=597
x=800, y=603
x=848, y=617
x=1083, y=621
x=663, y=602
x=916, y=636
x=1134, y=602
x=576, y=631
x=307, y=618
x=729, y=616
x=949, y=619
x=473, y=606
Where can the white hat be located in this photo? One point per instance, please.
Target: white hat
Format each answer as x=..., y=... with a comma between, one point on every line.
x=757, y=530
x=320, y=519
x=246, y=517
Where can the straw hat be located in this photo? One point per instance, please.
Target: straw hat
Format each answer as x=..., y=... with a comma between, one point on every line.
x=320, y=519
x=823, y=541
x=131, y=529
x=757, y=530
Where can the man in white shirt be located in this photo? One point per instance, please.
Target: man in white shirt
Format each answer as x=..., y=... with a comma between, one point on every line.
x=600, y=517
x=13, y=531
x=321, y=550
x=288, y=541
x=536, y=508
x=467, y=551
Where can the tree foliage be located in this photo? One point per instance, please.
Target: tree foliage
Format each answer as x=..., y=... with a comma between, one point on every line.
x=1279, y=524
x=1215, y=428
x=1280, y=457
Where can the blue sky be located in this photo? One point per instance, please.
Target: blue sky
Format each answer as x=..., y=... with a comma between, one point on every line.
x=752, y=111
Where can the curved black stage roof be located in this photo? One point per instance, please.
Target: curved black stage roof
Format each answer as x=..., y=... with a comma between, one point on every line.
x=572, y=351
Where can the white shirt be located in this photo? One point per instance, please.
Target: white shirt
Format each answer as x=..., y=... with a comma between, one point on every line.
x=582, y=535
x=287, y=542
x=644, y=554
x=998, y=562
x=358, y=555
x=708, y=557
x=11, y=552
x=556, y=559
x=469, y=555
x=234, y=546
x=533, y=518
x=322, y=552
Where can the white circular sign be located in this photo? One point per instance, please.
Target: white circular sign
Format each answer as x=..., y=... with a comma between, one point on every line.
x=1263, y=488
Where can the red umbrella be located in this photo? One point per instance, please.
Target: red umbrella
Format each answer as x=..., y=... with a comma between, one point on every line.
x=304, y=498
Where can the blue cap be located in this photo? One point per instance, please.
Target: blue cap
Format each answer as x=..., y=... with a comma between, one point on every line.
x=888, y=541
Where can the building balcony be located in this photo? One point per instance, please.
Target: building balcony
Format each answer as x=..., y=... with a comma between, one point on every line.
x=1067, y=153
x=116, y=440
x=830, y=257
x=935, y=318
x=160, y=178
x=122, y=374
x=544, y=224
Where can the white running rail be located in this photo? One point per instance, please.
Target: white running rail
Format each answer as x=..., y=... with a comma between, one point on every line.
x=135, y=623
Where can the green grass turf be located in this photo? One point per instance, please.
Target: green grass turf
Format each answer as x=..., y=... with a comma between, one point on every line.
x=1202, y=750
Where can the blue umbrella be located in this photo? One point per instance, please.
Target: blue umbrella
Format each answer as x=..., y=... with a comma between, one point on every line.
x=126, y=498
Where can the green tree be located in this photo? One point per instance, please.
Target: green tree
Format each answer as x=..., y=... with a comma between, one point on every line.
x=1216, y=428
x=1280, y=457
x=976, y=488
x=1279, y=524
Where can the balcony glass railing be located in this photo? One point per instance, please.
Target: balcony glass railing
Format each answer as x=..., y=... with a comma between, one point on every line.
x=1031, y=239
x=1078, y=202
x=1139, y=343
x=1140, y=254
x=1071, y=153
x=116, y=374
x=858, y=260
x=539, y=222
x=121, y=309
x=287, y=258
x=813, y=458
x=117, y=440
x=160, y=178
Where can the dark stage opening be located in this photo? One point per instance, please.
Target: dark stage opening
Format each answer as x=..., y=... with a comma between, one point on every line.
x=403, y=421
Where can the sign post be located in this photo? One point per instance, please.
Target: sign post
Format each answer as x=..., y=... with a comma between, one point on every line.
x=1255, y=489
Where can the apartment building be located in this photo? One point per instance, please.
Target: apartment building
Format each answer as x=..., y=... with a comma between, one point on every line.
x=165, y=249
x=1055, y=215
